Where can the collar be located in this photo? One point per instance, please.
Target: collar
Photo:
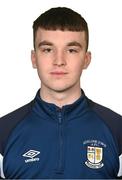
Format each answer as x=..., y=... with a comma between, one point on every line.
x=68, y=112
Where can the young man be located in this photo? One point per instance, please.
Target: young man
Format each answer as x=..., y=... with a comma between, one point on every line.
x=61, y=133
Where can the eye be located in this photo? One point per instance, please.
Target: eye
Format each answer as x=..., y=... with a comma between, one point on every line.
x=72, y=50
x=46, y=50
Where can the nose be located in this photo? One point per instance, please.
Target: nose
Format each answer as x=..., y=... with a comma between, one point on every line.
x=59, y=59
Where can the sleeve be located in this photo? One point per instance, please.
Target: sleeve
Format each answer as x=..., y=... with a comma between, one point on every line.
x=1, y=167
x=7, y=124
x=114, y=122
x=120, y=167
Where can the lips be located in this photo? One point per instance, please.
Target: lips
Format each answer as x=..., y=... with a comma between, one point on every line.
x=58, y=73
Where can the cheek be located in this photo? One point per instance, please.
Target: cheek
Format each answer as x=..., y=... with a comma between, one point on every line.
x=77, y=69
x=42, y=64
x=43, y=69
x=43, y=61
x=77, y=66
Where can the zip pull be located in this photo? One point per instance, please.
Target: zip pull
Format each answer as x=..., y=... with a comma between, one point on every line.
x=59, y=116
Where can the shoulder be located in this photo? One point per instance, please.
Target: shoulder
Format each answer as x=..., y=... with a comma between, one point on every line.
x=106, y=113
x=112, y=119
x=9, y=122
x=15, y=116
x=18, y=113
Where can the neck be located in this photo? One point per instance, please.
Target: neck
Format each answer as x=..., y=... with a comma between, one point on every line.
x=60, y=98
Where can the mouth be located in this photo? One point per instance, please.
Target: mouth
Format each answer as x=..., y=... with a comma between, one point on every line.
x=58, y=73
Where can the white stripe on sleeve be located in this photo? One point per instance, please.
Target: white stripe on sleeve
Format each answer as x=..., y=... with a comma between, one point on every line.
x=1, y=166
x=120, y=166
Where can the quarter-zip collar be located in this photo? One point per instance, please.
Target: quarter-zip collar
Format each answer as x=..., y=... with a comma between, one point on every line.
x=46, y=110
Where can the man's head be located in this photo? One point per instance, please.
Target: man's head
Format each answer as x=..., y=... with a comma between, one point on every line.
x=61, y=18
x=60, y=49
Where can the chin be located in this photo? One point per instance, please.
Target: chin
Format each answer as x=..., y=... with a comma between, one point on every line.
x=61, y=89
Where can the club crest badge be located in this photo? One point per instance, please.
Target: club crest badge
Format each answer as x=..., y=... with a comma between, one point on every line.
x=94, y=157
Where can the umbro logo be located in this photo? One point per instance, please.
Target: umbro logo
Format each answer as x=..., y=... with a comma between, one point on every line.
x=31, y=154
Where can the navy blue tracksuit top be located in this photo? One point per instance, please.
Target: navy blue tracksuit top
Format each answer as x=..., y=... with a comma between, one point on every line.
x=78, y=141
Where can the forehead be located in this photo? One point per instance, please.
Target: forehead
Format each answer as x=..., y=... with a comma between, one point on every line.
x=56, y=36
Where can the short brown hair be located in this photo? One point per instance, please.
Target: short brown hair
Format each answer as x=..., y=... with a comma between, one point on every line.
x=61, y=18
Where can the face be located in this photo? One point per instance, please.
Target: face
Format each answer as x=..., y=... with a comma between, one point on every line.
x=60, y=57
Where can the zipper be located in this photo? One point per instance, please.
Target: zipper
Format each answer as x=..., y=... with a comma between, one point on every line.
x=60, y=160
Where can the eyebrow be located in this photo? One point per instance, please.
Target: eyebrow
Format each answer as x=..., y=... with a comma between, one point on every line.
x=74, y=43
x=47, y=43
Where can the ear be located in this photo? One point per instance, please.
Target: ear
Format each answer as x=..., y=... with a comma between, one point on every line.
x=33, y=59
x=87, y=59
